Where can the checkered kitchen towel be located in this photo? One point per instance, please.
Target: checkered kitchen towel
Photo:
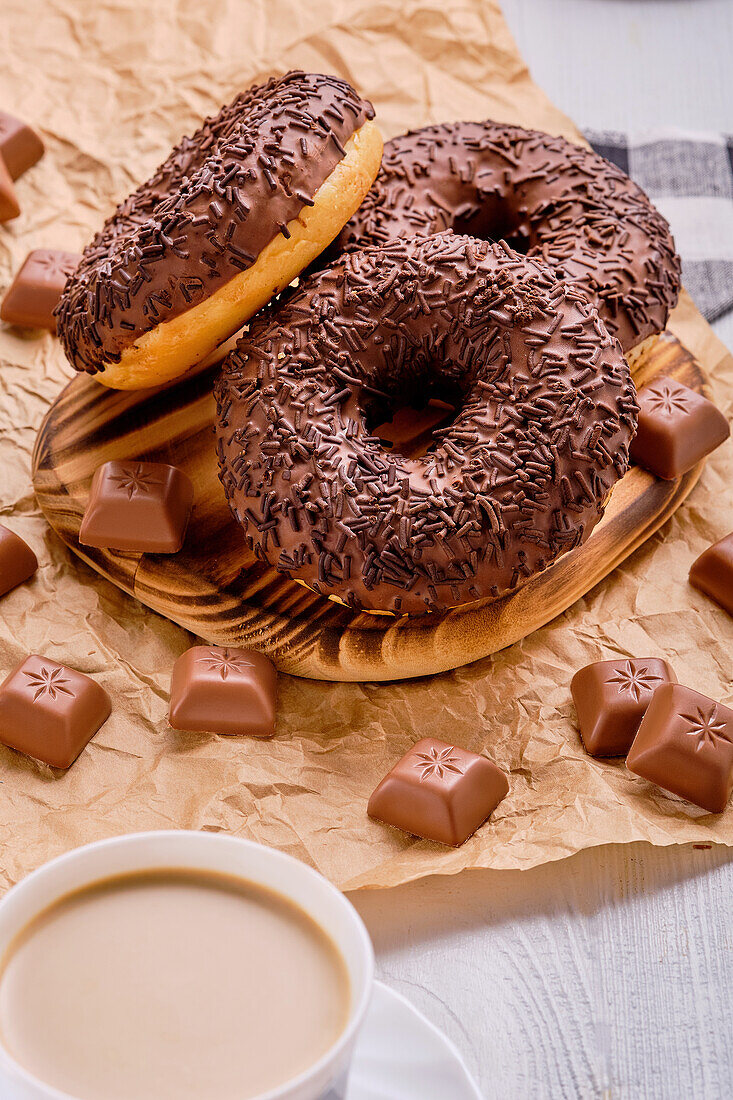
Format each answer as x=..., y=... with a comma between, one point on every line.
x=689, y=177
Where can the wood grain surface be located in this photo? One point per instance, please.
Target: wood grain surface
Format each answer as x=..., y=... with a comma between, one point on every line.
x=218, y=590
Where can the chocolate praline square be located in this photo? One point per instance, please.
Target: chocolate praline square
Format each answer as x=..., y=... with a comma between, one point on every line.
x=20, y=146
x=220, y=690
x=685, y=745
x=439, y=792
x=9, y=205
x=137, y=506
x=611, y=698
x=17, y=561
x=35, y=291
x=677, y=428
x=49, y=711
x=712, y=572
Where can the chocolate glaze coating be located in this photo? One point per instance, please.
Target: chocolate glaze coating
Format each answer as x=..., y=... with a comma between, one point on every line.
x=547, y=413
x=207, y=213
x=554, y=200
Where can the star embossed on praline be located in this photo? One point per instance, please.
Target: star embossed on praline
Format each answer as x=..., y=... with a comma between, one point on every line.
x=53, y=265
x=48, y=681
x=707, y=727
x=224, y=661
x=634, y=681
x=667, y=400
x=437, y=762
x=135, y=480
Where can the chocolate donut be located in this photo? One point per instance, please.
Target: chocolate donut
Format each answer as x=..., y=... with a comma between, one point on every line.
x=546, y=412
x=556, y=201
x=229, y=219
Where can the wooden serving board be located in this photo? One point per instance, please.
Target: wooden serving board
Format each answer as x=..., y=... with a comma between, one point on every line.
x=215, y=588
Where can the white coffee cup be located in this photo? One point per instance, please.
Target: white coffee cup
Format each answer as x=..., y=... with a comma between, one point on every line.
x=326, y=1079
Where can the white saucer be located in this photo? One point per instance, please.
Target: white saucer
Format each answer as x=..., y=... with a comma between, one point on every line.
x=401, y=1056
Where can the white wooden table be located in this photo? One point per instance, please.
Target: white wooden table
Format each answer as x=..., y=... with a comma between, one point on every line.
x=608, y=975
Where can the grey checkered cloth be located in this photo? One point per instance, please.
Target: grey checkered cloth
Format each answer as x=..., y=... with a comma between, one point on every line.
x=689, y=177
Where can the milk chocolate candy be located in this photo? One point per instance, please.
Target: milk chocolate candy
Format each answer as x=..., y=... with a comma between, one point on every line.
x=17, y=560
x=220, y=690
x=49, y=711
x=20, y=147
x=677, y=428
x=9, y=206
x=712, y=573
x=34, y=293
x=685, y=745
x=611, y=698
x=439, y=792
x=137, y=506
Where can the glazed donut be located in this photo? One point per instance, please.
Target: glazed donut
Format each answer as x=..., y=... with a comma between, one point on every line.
x=227, y=221
x=556, y=201
x=546, y=412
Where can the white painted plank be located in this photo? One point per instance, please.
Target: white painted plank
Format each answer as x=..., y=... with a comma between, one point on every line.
x=607, y=975
x=622, y=64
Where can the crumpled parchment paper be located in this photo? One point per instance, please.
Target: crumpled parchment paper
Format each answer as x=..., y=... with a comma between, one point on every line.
x=111, y=85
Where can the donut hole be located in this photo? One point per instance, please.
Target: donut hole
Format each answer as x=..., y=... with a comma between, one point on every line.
x=406, y=425
x=492, y=222
x=409, y=409
x=410, y=430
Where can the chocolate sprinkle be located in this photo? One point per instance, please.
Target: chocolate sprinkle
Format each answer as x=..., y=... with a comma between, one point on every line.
x=206, y=214
x=554, y=200
x=547, y=412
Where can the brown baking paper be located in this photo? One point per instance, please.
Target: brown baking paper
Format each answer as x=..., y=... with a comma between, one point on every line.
x=111, y=85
